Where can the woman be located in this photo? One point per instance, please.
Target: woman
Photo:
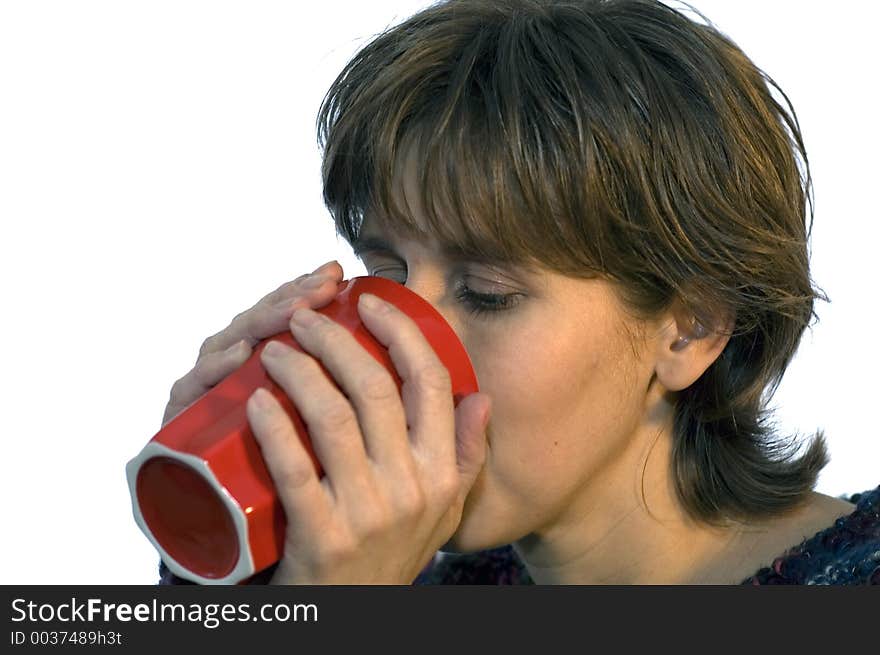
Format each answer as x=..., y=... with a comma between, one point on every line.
x=604, y=200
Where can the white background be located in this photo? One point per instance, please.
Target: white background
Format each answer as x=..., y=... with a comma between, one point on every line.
x=159, y=173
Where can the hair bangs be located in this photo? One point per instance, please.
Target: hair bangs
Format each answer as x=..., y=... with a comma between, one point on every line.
x=484, y=134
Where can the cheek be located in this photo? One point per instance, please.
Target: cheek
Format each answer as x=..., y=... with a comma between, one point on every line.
x=560, y=406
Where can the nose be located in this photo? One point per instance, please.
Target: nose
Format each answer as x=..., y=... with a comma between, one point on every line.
x=430, y=285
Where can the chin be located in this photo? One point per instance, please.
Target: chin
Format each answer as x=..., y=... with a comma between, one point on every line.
x=478, y=530
x=467, y=543
x=457, y=544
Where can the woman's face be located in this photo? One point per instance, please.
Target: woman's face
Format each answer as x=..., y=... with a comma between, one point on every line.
x=567, y=385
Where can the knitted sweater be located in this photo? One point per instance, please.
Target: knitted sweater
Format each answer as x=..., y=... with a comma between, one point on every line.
x=845, y=553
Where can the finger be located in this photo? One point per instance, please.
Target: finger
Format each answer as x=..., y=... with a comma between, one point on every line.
x=471, y=424
x=331, y=269
x=264, y=319
x=369, y=386
x=426, y=390
x=329, y=418
x=208, y=371
x=471, y=445
x=304, y=499
x=270, y=315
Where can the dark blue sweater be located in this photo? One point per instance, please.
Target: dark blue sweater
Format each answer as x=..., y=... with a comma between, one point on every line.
x=845, y=553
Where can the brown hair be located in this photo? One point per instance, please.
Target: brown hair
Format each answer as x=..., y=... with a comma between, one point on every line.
x=613, y=138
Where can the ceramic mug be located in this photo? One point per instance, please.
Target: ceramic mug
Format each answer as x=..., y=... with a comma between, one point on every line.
x=200, y=490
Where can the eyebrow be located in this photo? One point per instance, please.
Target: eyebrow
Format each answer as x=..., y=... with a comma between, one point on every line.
x=368, y=243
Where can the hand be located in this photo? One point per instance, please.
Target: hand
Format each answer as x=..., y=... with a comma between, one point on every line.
x=397, y=469
x=225, y=351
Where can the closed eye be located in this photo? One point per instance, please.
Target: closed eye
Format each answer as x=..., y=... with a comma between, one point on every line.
x=483, y=304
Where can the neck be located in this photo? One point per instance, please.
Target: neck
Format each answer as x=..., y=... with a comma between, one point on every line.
x=612, y=533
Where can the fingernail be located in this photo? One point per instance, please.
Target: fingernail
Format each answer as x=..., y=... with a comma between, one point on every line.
x=261, y=399
x=235, y=346
x=305, y=317
x=273, y=349
x=374, y=303
x=325, y=267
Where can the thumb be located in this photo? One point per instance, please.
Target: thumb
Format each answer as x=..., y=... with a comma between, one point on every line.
x=471, y=419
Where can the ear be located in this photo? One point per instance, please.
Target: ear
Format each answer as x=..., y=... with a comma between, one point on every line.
x=686, y=347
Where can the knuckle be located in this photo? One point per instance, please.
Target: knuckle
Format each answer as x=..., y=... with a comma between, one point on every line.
x=283, y=304
x=182, y=390
x=284, y=288
x=198, y=374
x=293, y=477
x=447, y=484
x=337, y=550
x=410, y=500
x=209, y=345
x=377, y=386
x=337, y=417
x=237, y=328
x=211, y=368
x=278, y=294
x=326, y=332
x=370, y=522
x=239, y=322
x=298, y=281
x=320, y=334
x=175, y=390
x=434, y=378
x=326, y=338
x=277, y=431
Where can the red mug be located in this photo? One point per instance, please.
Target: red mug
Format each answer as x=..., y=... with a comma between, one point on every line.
x=200, y=489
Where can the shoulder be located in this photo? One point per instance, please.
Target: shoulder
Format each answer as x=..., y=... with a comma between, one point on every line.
x=496, y=566
x=845, y=553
